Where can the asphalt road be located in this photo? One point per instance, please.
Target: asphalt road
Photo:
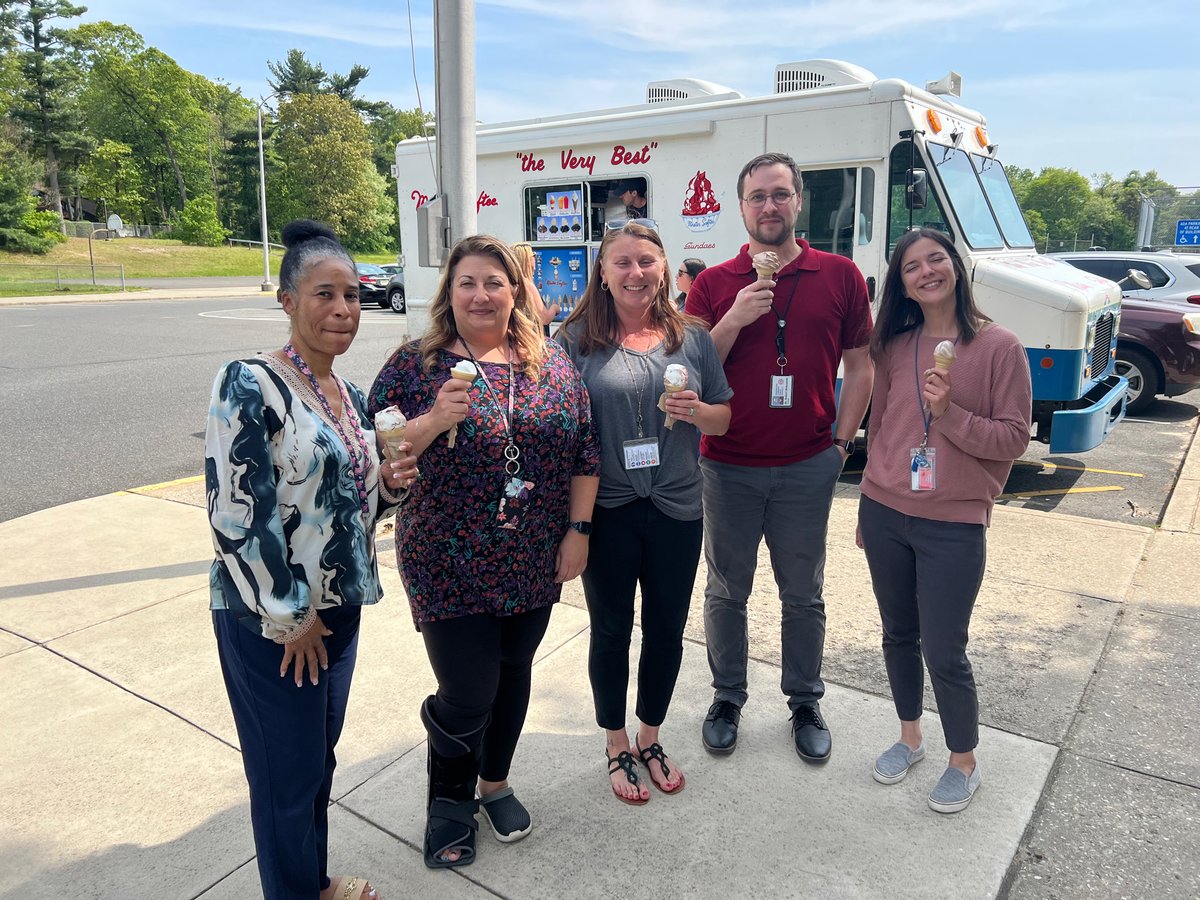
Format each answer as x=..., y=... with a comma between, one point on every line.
x=100, y=397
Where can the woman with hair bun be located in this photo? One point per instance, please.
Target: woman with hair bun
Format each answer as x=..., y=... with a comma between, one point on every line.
x=295, y=486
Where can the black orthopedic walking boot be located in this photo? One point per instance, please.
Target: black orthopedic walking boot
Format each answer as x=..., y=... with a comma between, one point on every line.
x=450, y=801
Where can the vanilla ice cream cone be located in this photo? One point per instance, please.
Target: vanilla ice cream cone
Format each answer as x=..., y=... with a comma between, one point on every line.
x=467, y=371
x=675, y=379
x=389, y=429
x=944, y=355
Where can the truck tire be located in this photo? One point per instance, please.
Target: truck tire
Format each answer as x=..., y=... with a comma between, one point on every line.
x=396, y=299
x=1140, y=368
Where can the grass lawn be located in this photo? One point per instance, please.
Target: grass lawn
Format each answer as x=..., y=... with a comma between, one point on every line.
x=147, y=258
x=43, y=289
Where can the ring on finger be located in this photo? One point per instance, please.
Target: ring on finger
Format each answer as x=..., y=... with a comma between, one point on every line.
x=692, y=411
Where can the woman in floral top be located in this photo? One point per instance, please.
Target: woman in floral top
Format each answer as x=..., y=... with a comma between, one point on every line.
x=294, y=488
x=495, y=524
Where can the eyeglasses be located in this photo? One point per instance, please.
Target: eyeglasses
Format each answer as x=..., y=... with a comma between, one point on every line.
x=681, y=272
x=758, y=201
x=618, y=224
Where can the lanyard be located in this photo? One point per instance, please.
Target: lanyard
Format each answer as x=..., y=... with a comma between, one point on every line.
x=637, y=386
x=512, y=453
x=781, y=324
x=926, y=414
x=356, y=459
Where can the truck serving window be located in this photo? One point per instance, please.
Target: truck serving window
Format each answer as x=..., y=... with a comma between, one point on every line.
x=828, y=210
x=966, y=196
x=1004, y=204
x=931, y=216
x=555, y=212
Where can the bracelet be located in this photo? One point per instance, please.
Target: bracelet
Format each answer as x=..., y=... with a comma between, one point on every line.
x=300, y=630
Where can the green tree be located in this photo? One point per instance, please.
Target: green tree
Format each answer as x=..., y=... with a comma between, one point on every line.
x=296, y=75
x=1059, y=195
x=112, y=173
x=16, y=199
x=198, y=223
x=48, y=81
x=327, y=172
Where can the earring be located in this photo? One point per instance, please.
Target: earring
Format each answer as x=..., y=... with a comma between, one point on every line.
x=603, y=285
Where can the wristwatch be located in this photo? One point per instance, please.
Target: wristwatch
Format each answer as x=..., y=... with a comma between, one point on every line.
x=584, y=528
x=848, y=446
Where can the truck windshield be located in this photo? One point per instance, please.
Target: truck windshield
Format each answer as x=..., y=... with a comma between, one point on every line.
x=1004, y=204
x=966, y=197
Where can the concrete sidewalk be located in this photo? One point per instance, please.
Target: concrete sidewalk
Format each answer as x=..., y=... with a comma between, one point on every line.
x=171, y=293
x=121, y=775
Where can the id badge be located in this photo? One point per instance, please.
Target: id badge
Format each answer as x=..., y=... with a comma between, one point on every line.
x=781, y=391
x=924, y=468
x=641, y=454
x=518, y=497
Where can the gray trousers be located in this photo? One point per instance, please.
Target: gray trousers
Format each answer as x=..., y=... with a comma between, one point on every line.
x=789, y=506
x=926, y=576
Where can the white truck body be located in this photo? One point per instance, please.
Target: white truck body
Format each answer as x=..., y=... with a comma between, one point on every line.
x=552, y=182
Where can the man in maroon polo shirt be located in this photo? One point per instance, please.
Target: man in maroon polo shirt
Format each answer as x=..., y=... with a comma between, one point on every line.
x=773, y=473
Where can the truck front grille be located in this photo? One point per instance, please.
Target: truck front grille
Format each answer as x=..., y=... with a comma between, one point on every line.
x=1102, y=345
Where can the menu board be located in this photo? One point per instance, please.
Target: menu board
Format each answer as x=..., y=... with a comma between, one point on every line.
x=561, y=274
x=561, y=217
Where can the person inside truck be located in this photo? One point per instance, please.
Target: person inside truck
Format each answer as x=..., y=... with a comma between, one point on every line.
x=949, y=414
x=626, y=200
x=647, y=525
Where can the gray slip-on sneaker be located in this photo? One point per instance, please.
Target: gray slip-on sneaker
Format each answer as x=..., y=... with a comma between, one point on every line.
x=954, y=790
x=506, y=814
x=894, y=764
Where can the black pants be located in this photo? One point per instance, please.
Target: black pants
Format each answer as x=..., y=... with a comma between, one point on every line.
x=631, y=545
x=482, y=664
x=926, y=576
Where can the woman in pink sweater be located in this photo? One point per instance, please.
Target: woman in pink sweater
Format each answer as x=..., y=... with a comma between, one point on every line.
x=942, y=439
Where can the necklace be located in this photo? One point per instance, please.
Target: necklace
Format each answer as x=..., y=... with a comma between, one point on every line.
x=512, y=453
x=356, y=458
x=638, y=386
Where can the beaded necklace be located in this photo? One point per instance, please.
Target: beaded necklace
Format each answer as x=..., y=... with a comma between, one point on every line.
x=356, y=459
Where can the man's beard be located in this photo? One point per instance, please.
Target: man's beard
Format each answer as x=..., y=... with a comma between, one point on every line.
x=773, y=234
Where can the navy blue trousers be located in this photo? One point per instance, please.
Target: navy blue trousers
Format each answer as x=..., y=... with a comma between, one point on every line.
x=288, y=735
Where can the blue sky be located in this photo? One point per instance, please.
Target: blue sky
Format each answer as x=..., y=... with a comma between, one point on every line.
x=1098, y=86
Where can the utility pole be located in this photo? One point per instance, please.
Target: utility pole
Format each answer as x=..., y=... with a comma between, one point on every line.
x=454, y=76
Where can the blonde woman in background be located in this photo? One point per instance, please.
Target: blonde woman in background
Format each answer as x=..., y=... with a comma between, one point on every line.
x=527, y=262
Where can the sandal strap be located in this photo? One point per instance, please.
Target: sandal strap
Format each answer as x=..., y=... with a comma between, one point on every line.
x=655, y=752
x=461, y=812
x=626, y=763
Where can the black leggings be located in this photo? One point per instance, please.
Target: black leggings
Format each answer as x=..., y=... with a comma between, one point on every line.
x=637, y=544
x=482, y=664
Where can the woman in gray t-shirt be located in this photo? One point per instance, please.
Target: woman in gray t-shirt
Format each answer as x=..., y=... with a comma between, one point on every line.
x=625, y=336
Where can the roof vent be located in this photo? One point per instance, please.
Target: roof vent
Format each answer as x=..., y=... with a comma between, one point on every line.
x=811, y=74
x=683, y=89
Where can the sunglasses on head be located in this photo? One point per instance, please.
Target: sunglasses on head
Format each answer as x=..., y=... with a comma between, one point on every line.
x=618, y=224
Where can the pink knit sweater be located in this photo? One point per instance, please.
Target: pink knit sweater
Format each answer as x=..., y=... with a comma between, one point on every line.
x=983, y=431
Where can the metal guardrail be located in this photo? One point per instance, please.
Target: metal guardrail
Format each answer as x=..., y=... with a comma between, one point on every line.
x=85, y=229
x=12, y=274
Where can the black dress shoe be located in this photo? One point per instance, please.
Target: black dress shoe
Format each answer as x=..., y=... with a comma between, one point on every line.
x=813, y=741
x=720, y=727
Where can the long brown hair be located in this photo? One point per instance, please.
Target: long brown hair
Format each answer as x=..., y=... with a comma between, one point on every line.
x=899, y=313
x=595, y=318
x=523, y=331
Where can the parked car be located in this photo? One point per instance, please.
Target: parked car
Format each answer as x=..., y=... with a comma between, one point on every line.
x=1173, y=276
x=372, y=284
x=395, y=292
x=1158, y=350
x=392, y=268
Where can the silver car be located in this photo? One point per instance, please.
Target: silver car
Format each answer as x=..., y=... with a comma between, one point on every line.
x=1174, y=277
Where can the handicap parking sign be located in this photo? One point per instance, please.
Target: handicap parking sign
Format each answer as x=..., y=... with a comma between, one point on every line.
x=1187, y=233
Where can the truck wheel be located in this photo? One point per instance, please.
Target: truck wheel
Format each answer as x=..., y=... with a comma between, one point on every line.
x=1139, y=368
x=396, y=300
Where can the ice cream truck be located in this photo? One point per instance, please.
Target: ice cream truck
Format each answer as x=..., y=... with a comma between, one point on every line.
x=879, y=156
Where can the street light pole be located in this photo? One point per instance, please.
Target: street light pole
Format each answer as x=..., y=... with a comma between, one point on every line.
x=262, y=210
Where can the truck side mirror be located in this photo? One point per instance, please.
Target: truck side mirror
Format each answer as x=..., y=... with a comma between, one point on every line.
x=1138, y=277
x=916, y=188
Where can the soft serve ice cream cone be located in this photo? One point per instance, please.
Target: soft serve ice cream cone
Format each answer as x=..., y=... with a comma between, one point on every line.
x=766, y=263
x=467, y=371
x=389, y=428
x=944, y=355
x=675, y=379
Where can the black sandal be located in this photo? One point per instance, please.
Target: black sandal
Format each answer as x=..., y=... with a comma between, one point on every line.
x=450, y=826
x=626, y=763
x=656, y=752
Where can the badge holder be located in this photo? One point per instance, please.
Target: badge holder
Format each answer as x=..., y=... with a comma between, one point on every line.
x=518, y=493
x=641, y=453
x=781, y=385
x=924, y=467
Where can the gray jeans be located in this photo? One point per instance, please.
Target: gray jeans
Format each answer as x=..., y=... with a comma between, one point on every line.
x=789, y=506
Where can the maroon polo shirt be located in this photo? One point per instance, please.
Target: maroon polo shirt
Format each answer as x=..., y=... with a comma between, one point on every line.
x=823, y=298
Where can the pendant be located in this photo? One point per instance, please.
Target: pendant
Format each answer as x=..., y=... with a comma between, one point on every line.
x=781, y=323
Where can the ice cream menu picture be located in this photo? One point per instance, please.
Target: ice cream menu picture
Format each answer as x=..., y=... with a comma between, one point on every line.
x=561, y=274
x=561, y=217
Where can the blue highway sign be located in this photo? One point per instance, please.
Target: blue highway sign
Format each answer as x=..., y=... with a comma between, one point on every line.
x=1187, y=232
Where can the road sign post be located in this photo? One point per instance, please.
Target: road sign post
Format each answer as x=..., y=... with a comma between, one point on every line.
x=1187, y=233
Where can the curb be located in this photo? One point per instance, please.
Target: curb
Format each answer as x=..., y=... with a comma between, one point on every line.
x=135, y=295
